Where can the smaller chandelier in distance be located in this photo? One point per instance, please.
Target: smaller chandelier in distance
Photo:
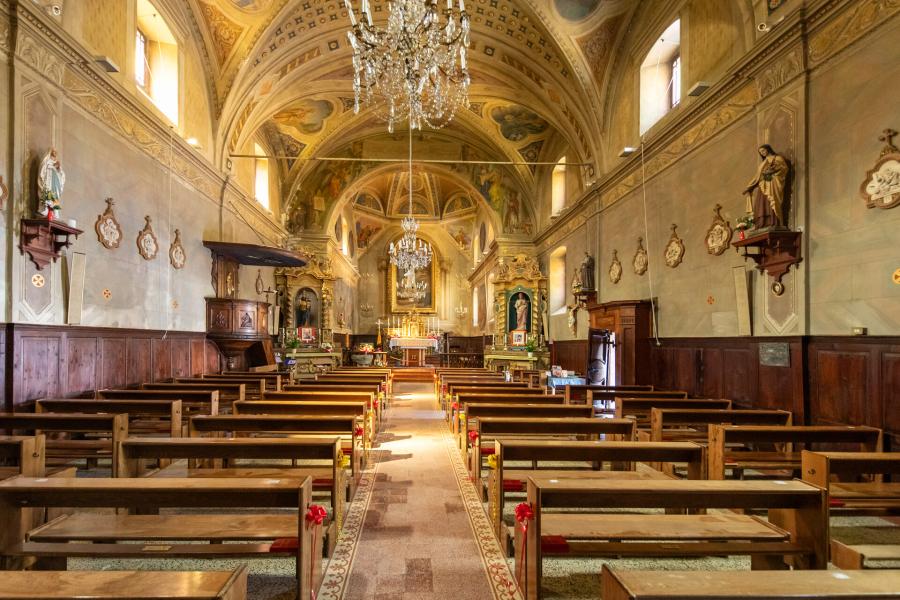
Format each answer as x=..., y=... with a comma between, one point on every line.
x=410, y=253
x=415, y=67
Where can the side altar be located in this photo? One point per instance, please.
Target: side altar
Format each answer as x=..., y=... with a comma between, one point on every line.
x=520, y=303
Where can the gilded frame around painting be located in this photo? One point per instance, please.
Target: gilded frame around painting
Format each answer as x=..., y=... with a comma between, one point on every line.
x=434, y=285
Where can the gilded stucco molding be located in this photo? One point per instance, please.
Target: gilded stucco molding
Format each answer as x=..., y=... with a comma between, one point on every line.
x=857, y=19
x=780, y=72
x=4, y=33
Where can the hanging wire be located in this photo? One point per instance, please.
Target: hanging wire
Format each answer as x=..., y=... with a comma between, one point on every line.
x=653, y=316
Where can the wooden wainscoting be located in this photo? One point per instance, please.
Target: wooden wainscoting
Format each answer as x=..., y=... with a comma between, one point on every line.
x=825, y=380
x=570, y=355
x=57, y=361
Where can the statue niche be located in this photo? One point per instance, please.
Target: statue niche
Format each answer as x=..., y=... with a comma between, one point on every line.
x=306, y=308
x=519, y=312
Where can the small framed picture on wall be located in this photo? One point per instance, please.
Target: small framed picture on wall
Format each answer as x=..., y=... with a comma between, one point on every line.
x=308, y=335
x=517, y=337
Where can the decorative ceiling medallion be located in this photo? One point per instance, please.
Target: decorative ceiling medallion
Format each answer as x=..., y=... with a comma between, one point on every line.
x=38, y=281
x=615, y=268
x=881, y=187
x=177, y=256
x=147, y=244
x=674, y=249
x=109, y=232
x=640, y=260
x=718, y=236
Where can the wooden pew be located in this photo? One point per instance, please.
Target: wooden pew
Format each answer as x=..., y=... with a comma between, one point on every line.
x=113, y=428
x=619, y=454
x=124, y=585
x=620, y=584
x=796, y=533
x=21, y=455
x=692, y=424
x=144, y=416
x=238, y=425
x=578, y=394
x=456, y=414
x=639, y=408
x=228, y=392
x=193, y=402
x=723, y=455
x=66, y=536
x=338, y=394
x=855, y=485
x=254, y=388
x=479, y=441
x=312, y=408
x=134, y=455
x=499, y=387
x=274, y=381
x=607, y=402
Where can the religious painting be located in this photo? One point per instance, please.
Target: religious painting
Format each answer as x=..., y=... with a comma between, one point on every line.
x=577, y=10
x=462, y=239
x=370, y=202
x=306, y=308
x=519, y=311
x=457, y=204
x=426, y=276
x=365, y=231
x=308, y=335
x=518, y=338
x=304, y=118
x=339, y=230
x=320, y=190
x=517, y=122
x=497, y=191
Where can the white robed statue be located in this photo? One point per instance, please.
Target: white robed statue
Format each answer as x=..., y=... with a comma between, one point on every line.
x=51, y=180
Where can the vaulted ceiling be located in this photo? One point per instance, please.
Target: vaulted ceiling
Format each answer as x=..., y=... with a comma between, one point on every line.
x=283, y=78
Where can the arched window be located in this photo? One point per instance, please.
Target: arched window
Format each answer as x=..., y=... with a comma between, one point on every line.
x=557, y=281
x=345, y=237
x=558, y=187
x=261, y=177
x=661, y=77
x=156, y=59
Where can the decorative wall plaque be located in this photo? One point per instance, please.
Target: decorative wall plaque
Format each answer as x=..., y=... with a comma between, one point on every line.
x=774, y=354
x=615, y=268
x=718, y=236
x=674, y=252
x=640, y=261
x=881, y=187
x=260, y=286
x=109, y=232
x=177, y=256
x=147, y=244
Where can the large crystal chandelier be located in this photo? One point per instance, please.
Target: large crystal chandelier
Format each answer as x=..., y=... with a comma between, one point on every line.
x=416, y=66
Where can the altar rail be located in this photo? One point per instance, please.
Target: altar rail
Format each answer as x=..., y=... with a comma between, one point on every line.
x=473, y=360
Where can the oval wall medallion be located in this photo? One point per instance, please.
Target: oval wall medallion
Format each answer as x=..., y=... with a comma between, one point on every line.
x=674, y=252
x=718, y=236
x=109, y=232
x=148, y=246
x=177, y=257
x=615, y=268
x=640, y=260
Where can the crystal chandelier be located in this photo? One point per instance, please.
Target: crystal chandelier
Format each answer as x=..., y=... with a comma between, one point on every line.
x=411, y=289
x=410, y=253
x=415, y=67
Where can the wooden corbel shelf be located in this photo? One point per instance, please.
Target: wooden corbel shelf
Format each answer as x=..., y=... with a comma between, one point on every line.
x=777, y=250
x=42, y=239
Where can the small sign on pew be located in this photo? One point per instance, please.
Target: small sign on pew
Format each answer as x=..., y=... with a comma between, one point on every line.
x=774, y=354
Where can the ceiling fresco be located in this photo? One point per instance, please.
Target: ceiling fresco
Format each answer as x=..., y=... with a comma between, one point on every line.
x=285, y=81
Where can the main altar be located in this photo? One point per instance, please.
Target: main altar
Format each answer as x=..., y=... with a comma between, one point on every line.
x=414, y=335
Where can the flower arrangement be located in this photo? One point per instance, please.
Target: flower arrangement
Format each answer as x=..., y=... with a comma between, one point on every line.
x=365, y=347
x=50, y=201
x=327, y=346
x=531, y=344
x=745, y=222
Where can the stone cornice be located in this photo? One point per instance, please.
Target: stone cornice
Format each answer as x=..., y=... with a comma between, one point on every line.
x=43, y=47
x=781, y=57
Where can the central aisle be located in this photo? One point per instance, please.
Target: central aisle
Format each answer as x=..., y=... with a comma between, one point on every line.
x=416, y=539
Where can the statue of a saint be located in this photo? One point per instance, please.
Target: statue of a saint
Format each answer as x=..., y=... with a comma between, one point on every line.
x=587, y=273
x=51, y=180
x=767, y=204
x=303, y=306
x=522, y=305
x=576, y=282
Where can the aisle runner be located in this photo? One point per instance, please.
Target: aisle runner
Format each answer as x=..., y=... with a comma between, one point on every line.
x=334, y=582
x=492, y=555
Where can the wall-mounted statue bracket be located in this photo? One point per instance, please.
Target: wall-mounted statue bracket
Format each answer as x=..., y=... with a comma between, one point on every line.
x=774, y=251
x=42, y=240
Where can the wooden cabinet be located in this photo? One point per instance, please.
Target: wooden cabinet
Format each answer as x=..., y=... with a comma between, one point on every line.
x=632, y=324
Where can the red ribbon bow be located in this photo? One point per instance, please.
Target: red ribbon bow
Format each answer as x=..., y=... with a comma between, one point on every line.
x=473, y=436
x=524, y=512
x=358, y=432
x=316, y=514
x=455, y=406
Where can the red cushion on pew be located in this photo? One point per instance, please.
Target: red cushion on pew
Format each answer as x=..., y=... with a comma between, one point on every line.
x=285, y=545
x=323, y=482
x=513, y=485
x=486, y=450
x=835, y=503
x=554, y=544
